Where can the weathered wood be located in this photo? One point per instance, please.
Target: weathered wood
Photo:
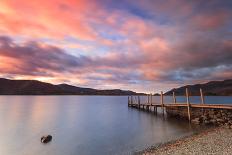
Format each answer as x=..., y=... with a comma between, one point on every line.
x=188, y=103
x=212, y=106
x=174, y=97
x=147, y=98
x=128, y=101
x=162, y=101
x=138, y=100
x=151, y=99
x=145, y=106
x=202, y=97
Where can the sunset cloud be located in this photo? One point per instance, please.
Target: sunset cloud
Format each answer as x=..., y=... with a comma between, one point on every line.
x=104, y=44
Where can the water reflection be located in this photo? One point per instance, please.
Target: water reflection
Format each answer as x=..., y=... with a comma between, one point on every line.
x=81, y=125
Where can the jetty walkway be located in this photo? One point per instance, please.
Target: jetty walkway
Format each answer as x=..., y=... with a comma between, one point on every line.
x=187, y=110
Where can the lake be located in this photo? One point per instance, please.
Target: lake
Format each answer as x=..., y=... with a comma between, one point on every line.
x=85, y=125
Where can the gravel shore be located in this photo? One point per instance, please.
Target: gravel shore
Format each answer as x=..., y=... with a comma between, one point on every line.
x=217, y=141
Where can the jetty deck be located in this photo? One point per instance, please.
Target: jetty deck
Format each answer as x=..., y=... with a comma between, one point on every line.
x=149, y=105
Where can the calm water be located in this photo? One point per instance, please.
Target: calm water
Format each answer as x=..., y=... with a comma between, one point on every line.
x=85, y=125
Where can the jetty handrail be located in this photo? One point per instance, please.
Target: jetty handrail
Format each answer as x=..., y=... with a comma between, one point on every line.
x=135, y=101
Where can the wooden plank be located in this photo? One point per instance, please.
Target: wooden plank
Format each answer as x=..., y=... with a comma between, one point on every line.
x=176, y=105
x=212, y=106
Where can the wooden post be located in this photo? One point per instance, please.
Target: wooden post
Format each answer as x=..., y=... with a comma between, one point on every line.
x=162, y=101
x=138, y=100
x=151, y=99
x=188, y=103
x=128, y=101
x=202, y=101
x=147, y=98
x=174, y=97
x=131, y=99
x=202, y=97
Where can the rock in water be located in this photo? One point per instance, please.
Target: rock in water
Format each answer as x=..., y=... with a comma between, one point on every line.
x=46, y=139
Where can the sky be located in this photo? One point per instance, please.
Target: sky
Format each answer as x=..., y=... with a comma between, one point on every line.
x=144, y=45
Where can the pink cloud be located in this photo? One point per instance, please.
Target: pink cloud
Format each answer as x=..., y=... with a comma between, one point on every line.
x=55, y=18
x=172, y=43
x=210, y=21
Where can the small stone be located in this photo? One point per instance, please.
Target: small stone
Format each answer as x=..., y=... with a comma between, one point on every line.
x=206, y=122
x=219, y=120
x=196, y=121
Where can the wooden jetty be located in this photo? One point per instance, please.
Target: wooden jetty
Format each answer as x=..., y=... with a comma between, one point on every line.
x=149, y=105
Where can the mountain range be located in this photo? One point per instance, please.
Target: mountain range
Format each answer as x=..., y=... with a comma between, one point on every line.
x=212, y=88
x=33, y=87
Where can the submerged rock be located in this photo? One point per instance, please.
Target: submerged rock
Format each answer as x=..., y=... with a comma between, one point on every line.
x=46, y=139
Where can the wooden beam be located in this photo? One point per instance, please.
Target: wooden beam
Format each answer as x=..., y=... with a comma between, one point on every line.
x=212, y=106
x=174, y=97
x=188, y=104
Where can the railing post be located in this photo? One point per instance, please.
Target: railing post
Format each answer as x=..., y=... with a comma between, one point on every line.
x=135, y=101
x=147, y=98
x=202, y=97
x=174, y=97
x=162, y=101
x=188, y=104
x=128, y=101
x=139, y=101
x=151, y=99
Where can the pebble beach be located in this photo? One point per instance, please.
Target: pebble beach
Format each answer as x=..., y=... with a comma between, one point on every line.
x=216, y=141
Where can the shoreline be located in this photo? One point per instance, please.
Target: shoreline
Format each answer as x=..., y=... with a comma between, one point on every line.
x=202, y=142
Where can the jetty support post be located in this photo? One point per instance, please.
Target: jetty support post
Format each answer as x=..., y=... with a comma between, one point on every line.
x=162, y=101
x=131, y=100
x=139, y=102
x=202, y=101
x=128, y=101
x=174, y=97
x=147, y=98
x=202, y=97
x=151, y=99
x=188, y=105
x=150, y=107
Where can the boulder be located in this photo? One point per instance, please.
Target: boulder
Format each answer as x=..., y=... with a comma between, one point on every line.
x=46, y=139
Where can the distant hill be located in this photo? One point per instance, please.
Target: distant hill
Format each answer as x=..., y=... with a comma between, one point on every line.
x=213, y=88
x=33, y=87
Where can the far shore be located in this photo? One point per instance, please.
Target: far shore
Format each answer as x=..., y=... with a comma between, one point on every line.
x=216, y=141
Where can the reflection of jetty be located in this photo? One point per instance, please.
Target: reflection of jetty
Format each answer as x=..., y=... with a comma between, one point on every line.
x=202, y=113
